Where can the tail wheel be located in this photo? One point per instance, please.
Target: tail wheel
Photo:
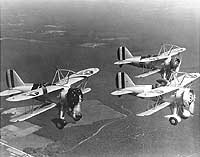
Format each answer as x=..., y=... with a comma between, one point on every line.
x=60, y=124
x=173, y=121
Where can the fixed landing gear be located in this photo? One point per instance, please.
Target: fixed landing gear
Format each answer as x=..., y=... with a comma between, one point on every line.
x=60, y=123
x=77, y=117
x=173, y=121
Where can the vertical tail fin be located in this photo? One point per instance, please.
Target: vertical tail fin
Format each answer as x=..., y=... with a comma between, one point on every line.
x=13, y=79
x=123, y=80
x=123, y=53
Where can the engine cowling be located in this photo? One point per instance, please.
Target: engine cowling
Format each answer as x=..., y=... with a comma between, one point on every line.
x=174, y=63
x=167, y=61
x=73, y=100
x=69, y=103
x=187, y=107
x=170, y=65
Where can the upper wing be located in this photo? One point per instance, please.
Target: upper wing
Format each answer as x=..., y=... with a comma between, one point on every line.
x=157, y=91
x=185, y=79
x=73, y=80
x=148, y=73
x=150, y=59
x=34, y=93
x=85, y=73
x=80, y=75
x=37, y=110
x=154, y=109
x=9, y=92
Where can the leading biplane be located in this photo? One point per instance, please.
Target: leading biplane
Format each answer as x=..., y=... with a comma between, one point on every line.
x=65, y=91
x=175, y=94
x=165, y=62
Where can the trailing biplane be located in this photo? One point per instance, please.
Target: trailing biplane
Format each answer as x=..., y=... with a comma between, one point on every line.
x=60, y=92
x=175, y=94
x=165, y=62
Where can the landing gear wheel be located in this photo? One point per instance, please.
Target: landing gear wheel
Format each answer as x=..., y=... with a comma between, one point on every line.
x=173, y=121
x=60, y=124
x=78, y=117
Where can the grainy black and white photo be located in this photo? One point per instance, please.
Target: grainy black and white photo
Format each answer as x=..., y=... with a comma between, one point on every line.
x=100, y=78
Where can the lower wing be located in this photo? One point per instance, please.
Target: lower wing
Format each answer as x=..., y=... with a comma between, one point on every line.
x=35, y=111
x=34, y=93
x=154, y=109
x=157, y=92
x=9, y=150
x=9, y=92
x=148, y=73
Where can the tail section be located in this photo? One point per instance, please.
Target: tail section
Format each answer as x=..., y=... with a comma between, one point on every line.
x=123, y=53
x=13, y=79
x=123, y=80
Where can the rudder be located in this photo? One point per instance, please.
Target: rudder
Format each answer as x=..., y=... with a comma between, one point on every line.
x=123, y=53
x=13, y=79
x=123, y=80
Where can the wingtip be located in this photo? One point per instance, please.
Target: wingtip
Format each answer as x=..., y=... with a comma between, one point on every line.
x=114, y=93
x=116, y=63
x=140, y=115
x=94, y=70
x=86, y=90
x=11, y=99
x=14, y=120
x=138, y=76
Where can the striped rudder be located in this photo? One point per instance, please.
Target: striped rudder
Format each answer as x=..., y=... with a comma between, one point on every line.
x=13, y=79
x=123, y=80
x=123, y=53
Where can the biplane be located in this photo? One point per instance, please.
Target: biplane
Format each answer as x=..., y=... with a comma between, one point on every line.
x=65, y=92
x=165, y=62
x=175, y=94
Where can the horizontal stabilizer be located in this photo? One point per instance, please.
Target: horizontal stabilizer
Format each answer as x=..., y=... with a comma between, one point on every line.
x=121, y=92
x=154, y=109
x=37, y=110
x=122, y=62
x=34, y=93
x=157, y=92
x=148, y=73
x=9, y=92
